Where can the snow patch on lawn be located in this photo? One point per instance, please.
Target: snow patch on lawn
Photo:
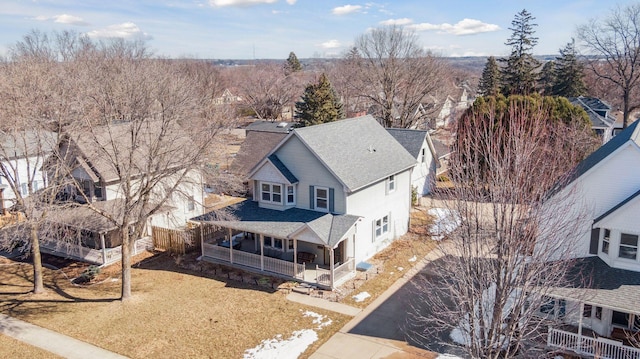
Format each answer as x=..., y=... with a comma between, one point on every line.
x=445, y=222
x=361, y=296
x=447, y=356
x=400, y=269
x=413, y=259
x=279, y=348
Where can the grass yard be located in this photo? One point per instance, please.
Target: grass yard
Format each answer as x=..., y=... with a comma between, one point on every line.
x=11, y=348
x=175, y=312
x=394, y=261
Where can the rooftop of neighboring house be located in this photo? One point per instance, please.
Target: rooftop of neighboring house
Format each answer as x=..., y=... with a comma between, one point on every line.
x=358, y=151
x=597, y=109
x=441, y=149
x=271, y=126
x=21, y=144
x=411, y=140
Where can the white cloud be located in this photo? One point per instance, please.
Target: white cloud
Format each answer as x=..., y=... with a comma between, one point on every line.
x=292, y=2
x=63, y=19
x=331, y=44
x=347, y=9
x=462, y=27
x=242, y=3
x=399, y=22
x=126, y=30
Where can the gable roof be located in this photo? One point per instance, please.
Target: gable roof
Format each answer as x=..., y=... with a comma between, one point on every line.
x=282, y=169
x=250, y=217
x=255, y=147
x=102, y=147
x=591, y=105
x=631, y=133
x=358, y=151
x=411, y=140
x=616, y=207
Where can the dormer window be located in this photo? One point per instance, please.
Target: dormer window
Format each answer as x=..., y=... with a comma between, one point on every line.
x=271, y=193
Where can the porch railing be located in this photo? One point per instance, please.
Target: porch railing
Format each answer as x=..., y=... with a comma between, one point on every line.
x=596, y=347
x=89, y=255
x=278, y=266
x=323, y=276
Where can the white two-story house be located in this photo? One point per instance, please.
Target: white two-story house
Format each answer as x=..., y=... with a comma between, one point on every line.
x=419, y=144
x=326, y=198
x=604, y=195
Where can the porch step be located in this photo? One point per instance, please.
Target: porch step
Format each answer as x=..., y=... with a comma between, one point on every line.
x=304, y=288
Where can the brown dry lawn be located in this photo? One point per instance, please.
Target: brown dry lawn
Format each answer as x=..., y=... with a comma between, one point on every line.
x=175, y=312
x=11, y=348
x=393, y=262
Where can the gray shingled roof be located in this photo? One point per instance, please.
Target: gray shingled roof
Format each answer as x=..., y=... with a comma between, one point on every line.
x=441, y=148
x=594, y=108
x=20, y=144
x=358, y=151
x=250, y=217
x=255, y=147
x=411, y=140
x=604, y=286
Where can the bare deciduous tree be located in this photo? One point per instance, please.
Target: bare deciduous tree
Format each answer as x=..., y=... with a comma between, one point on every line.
x=397, y=74
x=615, y=40
x=511, y=246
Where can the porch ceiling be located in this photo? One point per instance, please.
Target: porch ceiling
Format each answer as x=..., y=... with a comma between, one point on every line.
x=248, y=216
x=595, y=283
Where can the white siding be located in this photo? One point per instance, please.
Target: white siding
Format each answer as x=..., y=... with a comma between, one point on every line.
x=374, y=202
x=26, y=169
x=310, y=172
x=422, y=177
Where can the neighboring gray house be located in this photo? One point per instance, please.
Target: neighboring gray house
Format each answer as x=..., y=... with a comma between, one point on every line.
x=602, y=122
x=419, y=144
x=607, y=184
x=324, y=199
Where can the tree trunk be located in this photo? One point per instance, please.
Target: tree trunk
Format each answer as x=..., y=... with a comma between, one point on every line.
x=38, y=286
x=126, y=263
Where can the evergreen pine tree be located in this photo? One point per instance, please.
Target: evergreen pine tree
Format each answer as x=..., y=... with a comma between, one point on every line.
x=519, y=73
x=319, y=104
x=569, y=73
x=292, y=64
x=490, y=81
x=547, y=78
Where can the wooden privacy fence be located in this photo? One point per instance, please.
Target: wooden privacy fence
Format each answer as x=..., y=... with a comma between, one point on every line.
x=178, y=241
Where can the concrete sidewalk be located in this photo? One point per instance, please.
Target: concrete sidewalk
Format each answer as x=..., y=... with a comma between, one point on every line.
x=51, y=341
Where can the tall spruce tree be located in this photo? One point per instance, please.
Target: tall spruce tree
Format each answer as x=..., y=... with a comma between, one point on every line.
x=569, y=73
x=547, y=79
x=319, y=104
x=490, y=81
x=519, y=73
x=292, y=64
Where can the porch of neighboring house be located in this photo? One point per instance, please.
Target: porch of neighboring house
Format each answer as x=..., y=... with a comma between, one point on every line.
x=283, y=244
x=601, y=315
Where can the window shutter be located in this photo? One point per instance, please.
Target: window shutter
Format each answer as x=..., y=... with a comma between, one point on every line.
x=311, y=197
x=595, y=240
x=331, y=205
x=373, y=230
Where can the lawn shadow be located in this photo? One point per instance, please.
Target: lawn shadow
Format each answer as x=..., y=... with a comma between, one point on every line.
x=232, y=277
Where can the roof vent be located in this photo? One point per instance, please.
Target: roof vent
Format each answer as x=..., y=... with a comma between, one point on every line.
x=282, y=125
x=371, y=149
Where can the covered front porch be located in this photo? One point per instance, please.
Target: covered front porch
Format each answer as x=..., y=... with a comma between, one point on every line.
x=306, y=246
x=601, y=315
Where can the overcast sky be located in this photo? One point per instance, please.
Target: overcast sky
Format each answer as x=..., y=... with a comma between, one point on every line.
x=246, y=29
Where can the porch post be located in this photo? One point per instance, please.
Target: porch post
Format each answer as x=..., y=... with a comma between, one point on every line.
x=295, y=258
x=104, y=250
x=230, y=246
x=202, y=239
x=261, y=252
x=580, y=327
x=331, y=265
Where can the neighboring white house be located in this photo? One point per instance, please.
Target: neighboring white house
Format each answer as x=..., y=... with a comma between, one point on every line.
x=22, y=154
x=602, y=121
x=605, y=188
x=102, y=185
x=324, y=199
x=419, y=144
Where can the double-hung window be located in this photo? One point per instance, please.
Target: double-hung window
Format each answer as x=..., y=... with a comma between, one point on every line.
x=291, y=195
x=606, y=237
x=322, y=199
x=381, y=226
x=391, y=183
x=271, y=193
x=628, y=246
